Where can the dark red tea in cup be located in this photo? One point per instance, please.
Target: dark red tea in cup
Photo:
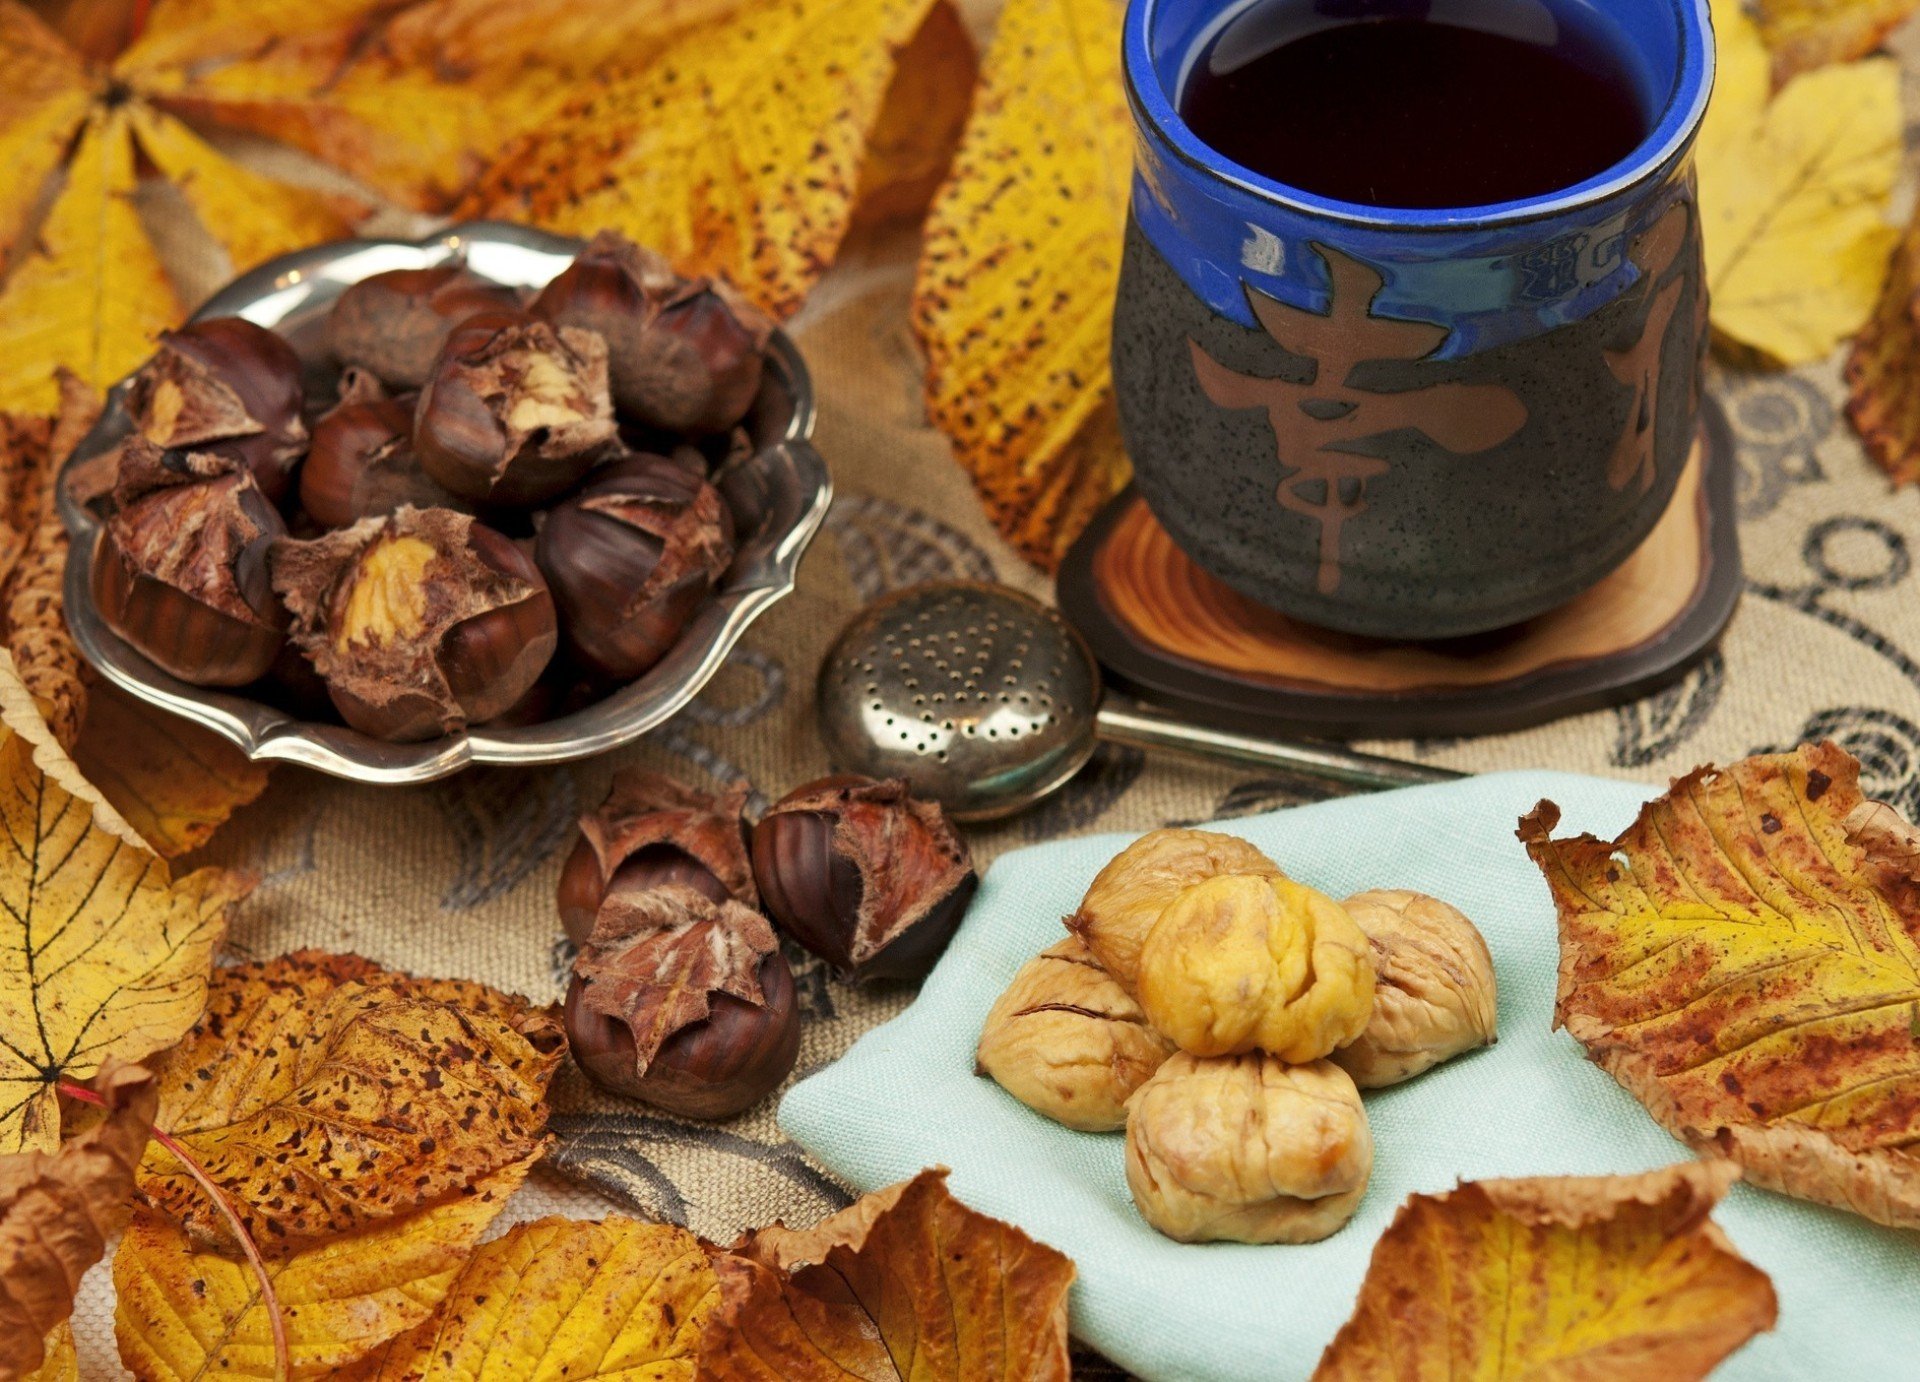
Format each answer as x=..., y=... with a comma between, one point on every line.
x=1450, y=103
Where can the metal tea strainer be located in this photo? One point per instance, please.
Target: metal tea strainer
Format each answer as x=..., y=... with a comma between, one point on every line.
x=985, y=700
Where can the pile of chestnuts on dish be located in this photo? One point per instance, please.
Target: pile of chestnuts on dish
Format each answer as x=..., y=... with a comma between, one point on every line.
x=506, y=510
x=681, y=995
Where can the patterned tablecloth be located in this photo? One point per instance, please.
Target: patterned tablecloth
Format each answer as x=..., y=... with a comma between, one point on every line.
x=458, y=877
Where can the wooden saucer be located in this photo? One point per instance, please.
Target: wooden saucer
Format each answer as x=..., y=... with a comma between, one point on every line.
x=1169, y=632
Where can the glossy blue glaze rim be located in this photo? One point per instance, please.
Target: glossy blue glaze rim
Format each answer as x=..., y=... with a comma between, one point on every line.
x=1678, y=124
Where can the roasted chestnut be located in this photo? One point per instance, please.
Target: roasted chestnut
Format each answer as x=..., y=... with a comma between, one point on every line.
x=683, y=1002
x=395, y=323
x=180, y=568
x=515, y=411
x=630, y=557
x=361, y=464
x=421, y=622
x=651, y=832
x=225, y=387
x=685, y=355
x=863, y=875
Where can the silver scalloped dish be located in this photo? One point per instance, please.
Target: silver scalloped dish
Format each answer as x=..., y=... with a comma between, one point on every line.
x=779, y=496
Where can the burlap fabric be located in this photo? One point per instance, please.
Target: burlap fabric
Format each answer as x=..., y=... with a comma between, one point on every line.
x=458, y=878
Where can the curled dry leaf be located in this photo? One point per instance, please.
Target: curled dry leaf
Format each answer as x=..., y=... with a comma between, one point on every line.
x=107, y=953
x=372, y=1093
x=57, y=1210
x=735, y=150
x=186, y=1310
x=908, y=1273
x=1601, y=1278
x=1794, y=195
x=1805, y=34
x=1883, y=368
x=1014, y=299
x=1745, y=960
x=565, y=1299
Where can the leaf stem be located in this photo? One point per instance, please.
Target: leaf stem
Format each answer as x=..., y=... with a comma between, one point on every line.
x=283, y=1368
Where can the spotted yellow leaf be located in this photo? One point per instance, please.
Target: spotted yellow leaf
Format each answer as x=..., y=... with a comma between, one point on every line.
x=42, y=102
x=1745, y=960
x=62, y=1362
x=735, y=151
x=1014, y=299
x=1794, y=196
x=91, y=294
x=106, y=954
x=1805, y=34
x=565, y=1299
x=184, y=1310
x=1596, y=1278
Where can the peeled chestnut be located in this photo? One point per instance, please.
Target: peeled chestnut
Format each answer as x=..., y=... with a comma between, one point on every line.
x=686, y=355
x=684, y=1002
x=630, y=557
x=395, y=323
x=180, y=569
x=225, y=387
x=421, y=622
x=515, y=411
x=863, y=875
x=651, y=832
x=361, y=464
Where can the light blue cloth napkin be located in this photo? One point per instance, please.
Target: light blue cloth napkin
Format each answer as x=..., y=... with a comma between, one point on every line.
x=906, y=1097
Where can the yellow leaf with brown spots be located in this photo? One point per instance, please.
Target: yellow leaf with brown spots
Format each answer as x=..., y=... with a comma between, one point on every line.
x=185, y=1310
x=1883, y=369
x=735, y=151
x=1805, y=34
x=172, y=781
x=91, y=294
x=1745, y=961
x=1014, y=299
x=1794, y=196
x=105, y=953
x=1595, y=1278
x=565, y=1299
x=42, y=102
x=324, y=1094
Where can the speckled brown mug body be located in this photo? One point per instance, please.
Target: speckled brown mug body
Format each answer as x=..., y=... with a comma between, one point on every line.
x=1410, y=424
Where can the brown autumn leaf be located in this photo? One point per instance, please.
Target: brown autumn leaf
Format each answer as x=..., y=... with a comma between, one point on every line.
x=1883, y=368
x=184, y=1309
x=1600, y=1278
x=57, y=1210
x=1745, y=961
x=106, y=952
x=559, y=1298
x=735, y=150
x=1014, y=299
x=172, y=781
x=906, y=1273
x=919, y=126
x=1805, y=34
x=325, y=1093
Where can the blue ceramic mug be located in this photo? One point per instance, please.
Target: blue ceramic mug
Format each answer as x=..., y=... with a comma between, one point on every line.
x=1411, y=424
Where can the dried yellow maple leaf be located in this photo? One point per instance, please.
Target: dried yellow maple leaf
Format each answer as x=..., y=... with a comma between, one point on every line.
x=1745, y=960
x=1883, y=368
x=1794, y=195
x=1599, y=1278
x=1014, y=299
x=106, y=954
x=172, y=781
x=565, y=1299
x=1805, y=34
x=185, y=1310
x=908, y=1282
x=324, y=1094
x=736, y=150
x=57, y=1210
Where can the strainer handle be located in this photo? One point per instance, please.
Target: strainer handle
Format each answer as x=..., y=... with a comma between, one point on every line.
x=1152, y=729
